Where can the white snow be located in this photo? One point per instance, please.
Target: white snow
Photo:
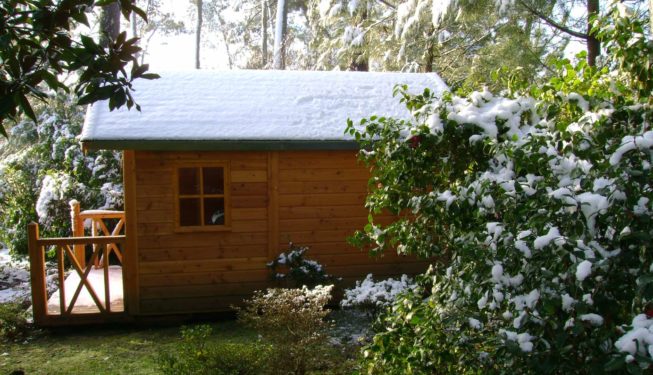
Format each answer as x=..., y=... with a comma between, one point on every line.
x=630, y=143
x=523, y=247
x=567, y=302
x=523, y=339
x=447, y=197
x=594, y=319
x=592, y=205
x=639, y=339
x=439, y=10
x=483, y=110
x=641, y=207
x=475, y=323
x=380, y=293
x=579, y=100
x=583, y=270
x=253, y=105
x=553, y=235
x=527, y=300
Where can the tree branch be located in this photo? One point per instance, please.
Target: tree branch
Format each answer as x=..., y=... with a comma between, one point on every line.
x=387, y=4
x=551, y=22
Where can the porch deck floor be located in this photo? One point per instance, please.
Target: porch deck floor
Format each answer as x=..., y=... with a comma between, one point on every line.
x=85, y=303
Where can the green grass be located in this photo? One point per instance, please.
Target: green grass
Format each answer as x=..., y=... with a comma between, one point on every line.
x=116, y=350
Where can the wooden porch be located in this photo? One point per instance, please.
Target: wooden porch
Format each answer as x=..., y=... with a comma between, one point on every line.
x=88, y=273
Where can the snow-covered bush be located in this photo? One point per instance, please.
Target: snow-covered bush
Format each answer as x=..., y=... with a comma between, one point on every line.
x=293, y=321
x=374, y=295
x=43, y=167
x=292, y=269
x=539, y=204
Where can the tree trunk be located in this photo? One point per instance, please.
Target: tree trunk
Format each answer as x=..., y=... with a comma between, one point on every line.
x=134, y=25
x=593, y=45
x=430, y=53
x=109, y=23
x=280, y=35
x=650, y=15
x=198, y=33
x=264, y=33
x=359, y=64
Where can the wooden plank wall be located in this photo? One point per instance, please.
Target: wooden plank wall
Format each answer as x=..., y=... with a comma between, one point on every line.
x=321, y=203
x=200, y=271
x=310, y=198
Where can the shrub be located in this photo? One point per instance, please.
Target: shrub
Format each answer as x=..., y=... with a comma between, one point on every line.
x=43, y=167
x=540, y=204
x=370, y=295
x=197, y=355
x=292, y=269
x=293, y=322
x=13, y=322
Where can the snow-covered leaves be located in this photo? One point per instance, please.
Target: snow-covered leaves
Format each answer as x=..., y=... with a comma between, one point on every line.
x=539, y=202
x=44, y=167
x=375, y=294
x=292, y=268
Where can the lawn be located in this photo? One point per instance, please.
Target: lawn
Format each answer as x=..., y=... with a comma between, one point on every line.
x=100, y=350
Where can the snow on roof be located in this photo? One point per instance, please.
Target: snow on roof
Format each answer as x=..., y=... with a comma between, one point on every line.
x=249, y=107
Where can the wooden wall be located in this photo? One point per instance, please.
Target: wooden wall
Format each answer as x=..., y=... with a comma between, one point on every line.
x=321, y=203
x=310, y=198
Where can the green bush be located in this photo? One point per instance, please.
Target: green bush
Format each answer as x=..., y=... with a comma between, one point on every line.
x=43, y=167
x=293, y=322
x=13, y=322
x=196, y=354
x=292, y=269
x=539, y=204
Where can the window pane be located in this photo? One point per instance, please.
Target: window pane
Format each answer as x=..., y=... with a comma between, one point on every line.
x=189, y=212
x=213, y=211
x=189, y=181
x=213, y=180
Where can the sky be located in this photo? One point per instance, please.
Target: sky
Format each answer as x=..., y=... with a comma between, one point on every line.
x=176, y=52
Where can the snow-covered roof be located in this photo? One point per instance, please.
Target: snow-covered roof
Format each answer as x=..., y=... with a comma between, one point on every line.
x=250, y=109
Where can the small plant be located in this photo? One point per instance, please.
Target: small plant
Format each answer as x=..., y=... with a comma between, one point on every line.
x=197, y=355
x=292, y=269
x=369, y=295
x=13, y=322
x=293, y=322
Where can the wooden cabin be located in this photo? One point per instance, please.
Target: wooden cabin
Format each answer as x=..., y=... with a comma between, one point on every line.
x=221, y=171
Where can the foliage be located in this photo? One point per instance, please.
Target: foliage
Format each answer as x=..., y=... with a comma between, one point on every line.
x=540, y=204
x=195, y=354
x=39, y=45
x=293, y=322
x=292, y=269
x=44, y=167
x=463, y=44
x=370, y=295
x=13, y=322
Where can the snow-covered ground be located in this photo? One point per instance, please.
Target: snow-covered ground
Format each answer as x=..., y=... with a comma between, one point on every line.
x=14, y=279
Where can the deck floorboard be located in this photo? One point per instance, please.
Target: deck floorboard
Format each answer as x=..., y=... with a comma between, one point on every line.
x=85, y=303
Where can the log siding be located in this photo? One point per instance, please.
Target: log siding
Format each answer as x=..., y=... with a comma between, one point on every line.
x=312, y=198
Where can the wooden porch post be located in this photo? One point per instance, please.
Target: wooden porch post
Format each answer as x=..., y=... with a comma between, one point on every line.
x=78, y=231
x=130, y=263
x=37, y=274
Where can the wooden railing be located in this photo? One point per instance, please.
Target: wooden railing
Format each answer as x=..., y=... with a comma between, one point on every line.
x=98, y=228
x=64, y=249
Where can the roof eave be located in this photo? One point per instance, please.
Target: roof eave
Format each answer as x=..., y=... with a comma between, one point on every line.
x=220, y=145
